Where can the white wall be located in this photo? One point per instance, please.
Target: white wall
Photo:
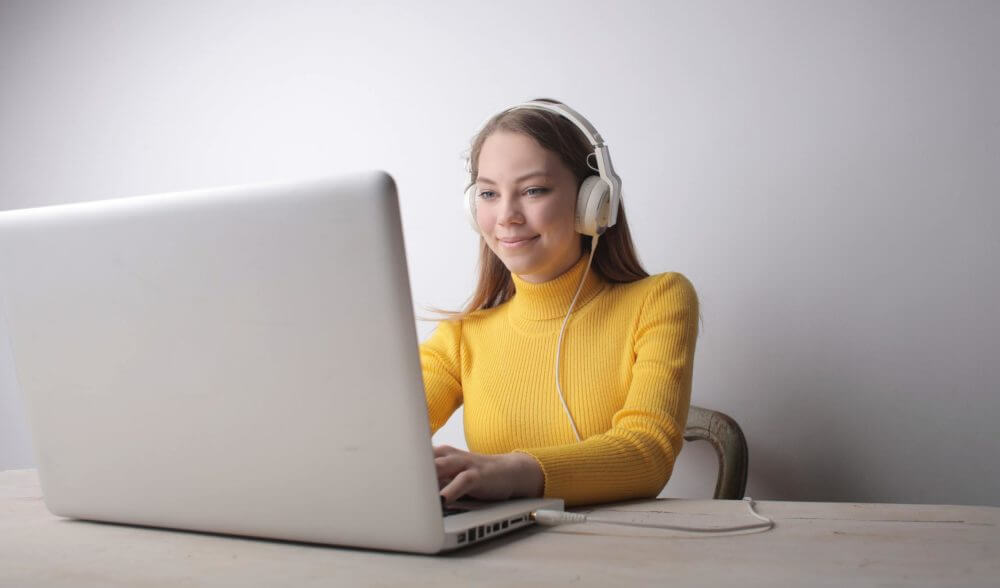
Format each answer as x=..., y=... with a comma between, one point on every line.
x=826, y=173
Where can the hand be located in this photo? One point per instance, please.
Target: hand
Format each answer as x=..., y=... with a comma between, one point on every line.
x=487, y=477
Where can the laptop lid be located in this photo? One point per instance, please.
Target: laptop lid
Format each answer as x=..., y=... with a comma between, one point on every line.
x=239, y=360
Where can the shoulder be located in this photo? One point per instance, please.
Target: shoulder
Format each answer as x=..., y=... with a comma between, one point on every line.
x=669, y=289
x=485, y=319
x=666, y=310
x=454, y=329
x=446, y=335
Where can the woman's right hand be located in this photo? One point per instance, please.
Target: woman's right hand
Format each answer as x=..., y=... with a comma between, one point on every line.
x=487, y=477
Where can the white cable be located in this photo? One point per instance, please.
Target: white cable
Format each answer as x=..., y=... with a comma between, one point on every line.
x=551, y=518
x=593, y=248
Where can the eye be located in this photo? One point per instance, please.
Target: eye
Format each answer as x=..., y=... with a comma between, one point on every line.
x=536, y=191
x=486, y=194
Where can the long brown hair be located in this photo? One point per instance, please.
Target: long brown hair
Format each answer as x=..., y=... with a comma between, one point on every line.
x=615, y=259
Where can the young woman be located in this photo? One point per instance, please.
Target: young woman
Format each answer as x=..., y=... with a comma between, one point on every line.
x=573, y=364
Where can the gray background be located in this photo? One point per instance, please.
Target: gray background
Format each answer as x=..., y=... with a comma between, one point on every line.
x=826, y=173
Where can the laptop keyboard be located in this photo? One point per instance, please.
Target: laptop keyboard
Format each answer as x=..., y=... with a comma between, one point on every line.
x=451, y=510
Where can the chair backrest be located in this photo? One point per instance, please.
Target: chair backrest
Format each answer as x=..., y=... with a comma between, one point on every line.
x=730, y=445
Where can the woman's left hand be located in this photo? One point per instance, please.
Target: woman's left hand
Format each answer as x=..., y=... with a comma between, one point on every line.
x=487, y=477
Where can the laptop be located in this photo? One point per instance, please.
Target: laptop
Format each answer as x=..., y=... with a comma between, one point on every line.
x=240, y=360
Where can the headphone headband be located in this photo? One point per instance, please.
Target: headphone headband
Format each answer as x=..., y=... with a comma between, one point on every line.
x=565, y=111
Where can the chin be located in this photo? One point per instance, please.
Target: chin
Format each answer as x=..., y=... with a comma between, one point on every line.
x=515, y=267
x=518, y=266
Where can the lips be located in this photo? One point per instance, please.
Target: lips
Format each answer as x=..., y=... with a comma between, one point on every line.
x=516, y=241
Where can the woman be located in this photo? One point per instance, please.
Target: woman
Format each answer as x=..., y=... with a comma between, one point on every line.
x=610, y=425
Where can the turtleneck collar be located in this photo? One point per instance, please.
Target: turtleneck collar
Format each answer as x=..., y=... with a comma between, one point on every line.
x=549, y=300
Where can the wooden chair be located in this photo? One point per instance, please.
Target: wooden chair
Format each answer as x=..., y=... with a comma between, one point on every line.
x=730, y=445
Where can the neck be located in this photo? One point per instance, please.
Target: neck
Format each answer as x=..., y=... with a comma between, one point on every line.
x=550, y=299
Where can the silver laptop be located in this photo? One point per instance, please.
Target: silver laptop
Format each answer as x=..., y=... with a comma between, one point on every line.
x=240, y=360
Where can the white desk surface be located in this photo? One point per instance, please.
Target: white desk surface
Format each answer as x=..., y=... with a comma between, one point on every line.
x=813, y=544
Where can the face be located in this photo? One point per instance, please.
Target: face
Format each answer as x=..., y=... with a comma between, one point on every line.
x=525, y=205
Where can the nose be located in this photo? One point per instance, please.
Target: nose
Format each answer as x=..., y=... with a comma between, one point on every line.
x=509, y=211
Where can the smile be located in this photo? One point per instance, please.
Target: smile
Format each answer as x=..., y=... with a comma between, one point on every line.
x=518, y=244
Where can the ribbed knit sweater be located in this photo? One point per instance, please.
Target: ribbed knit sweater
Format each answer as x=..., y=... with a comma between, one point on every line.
x=627, y=360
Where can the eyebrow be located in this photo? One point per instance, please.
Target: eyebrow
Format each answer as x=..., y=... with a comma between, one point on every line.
x=520, y=179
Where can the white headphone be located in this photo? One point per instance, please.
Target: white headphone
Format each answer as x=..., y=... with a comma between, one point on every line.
x=599, y=195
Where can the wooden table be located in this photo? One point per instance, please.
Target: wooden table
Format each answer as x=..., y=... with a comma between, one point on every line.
x=813, y=544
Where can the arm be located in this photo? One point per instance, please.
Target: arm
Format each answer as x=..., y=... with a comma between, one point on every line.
x=486, y=477
x=440, y=360
x=635, y=457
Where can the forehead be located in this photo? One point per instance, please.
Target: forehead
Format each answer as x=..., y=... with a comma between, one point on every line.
x=505, y=151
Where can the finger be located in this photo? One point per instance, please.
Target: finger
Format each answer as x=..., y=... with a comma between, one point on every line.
x=442, y=450
x=463, y=483
x=450, y=466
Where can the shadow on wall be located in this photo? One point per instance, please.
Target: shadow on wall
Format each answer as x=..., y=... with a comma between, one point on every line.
x=807, y=437
x=809, y=442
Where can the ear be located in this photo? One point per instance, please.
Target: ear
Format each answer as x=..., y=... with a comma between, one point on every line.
x=592, y=206
x=470, y=207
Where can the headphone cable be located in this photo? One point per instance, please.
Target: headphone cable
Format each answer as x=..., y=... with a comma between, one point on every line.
x=562, y=331
x=552, y=518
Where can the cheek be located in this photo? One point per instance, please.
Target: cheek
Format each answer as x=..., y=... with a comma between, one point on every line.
x=484, y=218
x=557, y=219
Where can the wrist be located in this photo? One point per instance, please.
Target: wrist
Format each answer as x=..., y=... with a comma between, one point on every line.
x=529, y=480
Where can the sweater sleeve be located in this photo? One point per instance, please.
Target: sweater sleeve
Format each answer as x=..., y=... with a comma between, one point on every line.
x=635, y=457
x=440, y=360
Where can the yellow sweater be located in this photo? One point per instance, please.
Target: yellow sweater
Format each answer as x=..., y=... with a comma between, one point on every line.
x=626, y=369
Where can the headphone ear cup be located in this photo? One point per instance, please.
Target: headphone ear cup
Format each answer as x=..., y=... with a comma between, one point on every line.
x=592, y=206
x=470, y=207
